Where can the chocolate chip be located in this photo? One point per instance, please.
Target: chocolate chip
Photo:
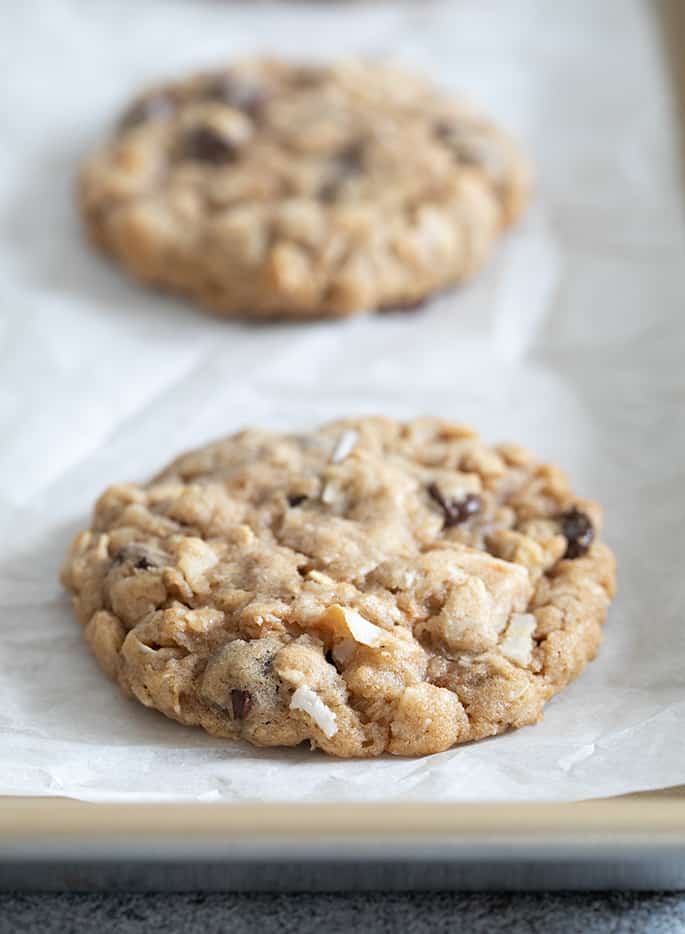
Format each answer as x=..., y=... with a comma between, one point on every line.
x=443, y=129
x=308, y=76
x=344, y=165
x=143, y=563
x=296, y=500
x=456, y=511
x=579, y=532
x=243, y=95
x=241, y=702
x=141, y=557
x=328, y=655
x=206, y=144
x=156, y=106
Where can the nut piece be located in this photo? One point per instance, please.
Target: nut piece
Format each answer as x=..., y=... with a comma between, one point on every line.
x=195, y=559
x=517, y=644
x=347, y=623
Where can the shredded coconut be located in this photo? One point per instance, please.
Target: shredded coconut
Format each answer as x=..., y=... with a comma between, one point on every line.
x=309, y=701
x=344, y=446
x=329, y=494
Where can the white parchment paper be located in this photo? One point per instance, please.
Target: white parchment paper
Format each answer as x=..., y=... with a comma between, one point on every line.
x=571, y=342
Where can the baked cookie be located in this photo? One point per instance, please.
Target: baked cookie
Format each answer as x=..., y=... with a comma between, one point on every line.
x=370, y=587
x=270, y=189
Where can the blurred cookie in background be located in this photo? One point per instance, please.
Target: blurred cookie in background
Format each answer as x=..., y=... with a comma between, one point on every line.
x=270, y=189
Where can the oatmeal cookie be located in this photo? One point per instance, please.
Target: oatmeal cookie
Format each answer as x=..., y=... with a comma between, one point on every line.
x=373, y=586
x=277, y=190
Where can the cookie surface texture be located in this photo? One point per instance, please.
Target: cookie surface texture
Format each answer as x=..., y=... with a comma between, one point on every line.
x=276, y=190
x=372, y=586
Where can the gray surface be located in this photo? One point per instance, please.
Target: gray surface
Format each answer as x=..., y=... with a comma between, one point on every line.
x=509, y=871
x=371, y=912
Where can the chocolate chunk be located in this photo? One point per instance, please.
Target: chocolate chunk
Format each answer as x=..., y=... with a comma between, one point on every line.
x=308, y=76
x=143, y=563
x=296, y=500
x=579, y=532
x=246, y=96
x=241, y=702
x=141, y=557
x=456, y=511
x=156, y=106
x=443, y=129
x=343, y=166
x=206, y=144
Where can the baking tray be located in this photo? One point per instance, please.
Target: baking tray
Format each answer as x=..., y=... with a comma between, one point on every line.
x=632, y=842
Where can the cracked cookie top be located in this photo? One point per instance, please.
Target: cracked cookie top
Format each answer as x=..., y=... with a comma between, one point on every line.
x=371, y=586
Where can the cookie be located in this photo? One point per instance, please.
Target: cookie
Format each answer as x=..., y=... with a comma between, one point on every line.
x=371, y=587
x=277, y=190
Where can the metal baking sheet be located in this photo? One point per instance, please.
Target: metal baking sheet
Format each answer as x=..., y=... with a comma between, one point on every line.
x=636, y=842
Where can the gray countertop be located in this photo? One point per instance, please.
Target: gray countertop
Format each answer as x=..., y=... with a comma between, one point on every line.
x=433, y=912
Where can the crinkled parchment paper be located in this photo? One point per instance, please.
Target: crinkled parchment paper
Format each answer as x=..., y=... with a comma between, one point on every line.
x=571, y=342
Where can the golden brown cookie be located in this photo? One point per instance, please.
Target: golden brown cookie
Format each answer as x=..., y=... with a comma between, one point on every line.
x=373, y=586
x=270, y=190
